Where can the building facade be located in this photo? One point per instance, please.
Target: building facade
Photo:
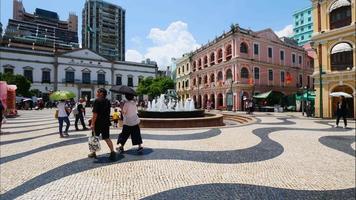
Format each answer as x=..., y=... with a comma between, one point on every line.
x=183, y=76
x=81, y=71
x=42, y=30
x=334, y=42
x=103, y=29
x=241, y=63
x=303, y=26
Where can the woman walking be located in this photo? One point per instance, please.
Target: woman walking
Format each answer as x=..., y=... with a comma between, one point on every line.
x=63, y=117
x=130, y=125
x=341, y=111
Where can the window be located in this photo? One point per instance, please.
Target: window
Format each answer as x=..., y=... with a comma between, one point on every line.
x=293, y=58
x=309, y=19
x=302, y=29
x=243, y=48
x=212, y=58
x=270, y=74
x=46, y=77
x=341, y=56
x=86, y=77
x=297, y=30
x=310, y=27
x=309, y=12
x=27, y=73
x=101, y=78
x=228, y=74
x=9, y=71
x=255, y=49
x=69, y=77
x=118, y=80
x=340, y=16
x=270, y=52
x=282, y=76
x=308, y=80
x=301, y=22
x=302, y=38
x=300, y=80
x=257, y=73
x=187, y=84
x=130, y=81
x=296, y=23
x=281, y=55
x=244, y=73
x=220, y=55
x=300, y=60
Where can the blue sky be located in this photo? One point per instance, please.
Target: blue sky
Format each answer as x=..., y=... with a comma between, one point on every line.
x=161, y=29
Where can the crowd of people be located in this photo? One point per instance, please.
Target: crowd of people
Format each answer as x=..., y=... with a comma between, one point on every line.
x=102, y=119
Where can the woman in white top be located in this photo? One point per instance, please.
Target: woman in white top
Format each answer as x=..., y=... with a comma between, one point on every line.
x=63, y=117
x=130, y=125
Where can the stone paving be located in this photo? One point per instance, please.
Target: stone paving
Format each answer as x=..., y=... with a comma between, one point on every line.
x=279, y=156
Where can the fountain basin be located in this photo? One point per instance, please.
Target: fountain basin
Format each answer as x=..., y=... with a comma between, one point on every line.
x=171, y=114
x=208, y=120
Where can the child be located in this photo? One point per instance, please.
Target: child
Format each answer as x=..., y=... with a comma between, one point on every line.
x=115, y=117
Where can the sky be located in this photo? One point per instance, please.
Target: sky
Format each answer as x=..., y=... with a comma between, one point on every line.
x=165, y=29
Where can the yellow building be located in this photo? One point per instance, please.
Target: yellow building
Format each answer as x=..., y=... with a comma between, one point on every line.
x=334, y=42
x=182, y=77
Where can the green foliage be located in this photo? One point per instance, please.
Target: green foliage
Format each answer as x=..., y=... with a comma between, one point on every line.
x=154, y=87
x=23, y=85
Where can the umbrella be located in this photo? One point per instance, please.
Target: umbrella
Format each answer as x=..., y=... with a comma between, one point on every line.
x=123, y=89
x=339, y=94
x=61, y=95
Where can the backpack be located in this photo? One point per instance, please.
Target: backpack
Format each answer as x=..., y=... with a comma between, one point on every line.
x=75, y=109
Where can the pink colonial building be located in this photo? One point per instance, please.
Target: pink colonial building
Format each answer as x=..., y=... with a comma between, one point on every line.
x=242, y=63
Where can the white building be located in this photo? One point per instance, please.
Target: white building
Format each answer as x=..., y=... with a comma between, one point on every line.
x=81, y=71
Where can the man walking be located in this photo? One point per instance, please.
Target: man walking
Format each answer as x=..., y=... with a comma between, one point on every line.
x=100, y=122
x=79, y=115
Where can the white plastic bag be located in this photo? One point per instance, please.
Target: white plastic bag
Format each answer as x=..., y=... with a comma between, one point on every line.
x=94, y=143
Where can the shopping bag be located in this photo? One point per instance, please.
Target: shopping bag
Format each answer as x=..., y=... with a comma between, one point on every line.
x=56, y=114
x=94, y=143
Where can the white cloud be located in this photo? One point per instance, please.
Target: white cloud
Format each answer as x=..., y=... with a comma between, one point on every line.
x=286, y=31
x=133, y=55
x=172, y=42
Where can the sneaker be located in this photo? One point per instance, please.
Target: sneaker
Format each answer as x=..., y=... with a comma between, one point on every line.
x=120, y=149
x=139, y=150
x=92, y=155
x=112, y=156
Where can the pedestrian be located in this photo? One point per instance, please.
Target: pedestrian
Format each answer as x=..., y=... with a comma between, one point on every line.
x=2, y=109
x=100, y=122
x=79, y=113
x=130, y=125
x=63, y=111
x=341, y=111
x=115, y=117
x=208, y=105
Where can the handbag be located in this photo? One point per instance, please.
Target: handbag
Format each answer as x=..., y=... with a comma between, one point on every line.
x=94, y=143
x=56, y=114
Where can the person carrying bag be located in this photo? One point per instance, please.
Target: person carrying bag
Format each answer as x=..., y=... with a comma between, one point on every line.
x=94, y=143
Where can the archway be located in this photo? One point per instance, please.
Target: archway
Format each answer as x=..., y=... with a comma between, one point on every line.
x=220, y=101
x=212, y=99
x=349, y=101
x=205, y=99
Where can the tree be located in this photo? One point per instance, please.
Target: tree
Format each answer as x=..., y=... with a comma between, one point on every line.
x=154, y=87
x=23, y=85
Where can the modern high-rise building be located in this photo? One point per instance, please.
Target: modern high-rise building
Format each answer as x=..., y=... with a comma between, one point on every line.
x=103, y=29
x=303, y=25
x=335, y=64
x=42, y=30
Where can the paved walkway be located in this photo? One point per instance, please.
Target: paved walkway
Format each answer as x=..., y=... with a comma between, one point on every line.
x=280, y=156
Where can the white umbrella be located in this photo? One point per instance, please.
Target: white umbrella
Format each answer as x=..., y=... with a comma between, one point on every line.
x=339, y=94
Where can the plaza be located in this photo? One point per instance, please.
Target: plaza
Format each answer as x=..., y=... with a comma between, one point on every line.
x=272, y=156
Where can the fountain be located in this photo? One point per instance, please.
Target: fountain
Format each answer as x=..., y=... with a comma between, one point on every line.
x=169, y=112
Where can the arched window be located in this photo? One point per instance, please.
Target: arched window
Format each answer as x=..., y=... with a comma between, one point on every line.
x=341, y=57
x=194, y=66
x=187, y=67
x=220, y=76
x=244, y=73
x=194, y=82
x=243, y=48
x=340, y=14
x=220, y=55
x=199, y=63
x=228, y=51
x=228, y=74
x=178, y=70
x=205, y=79
x=212, y=78
x=205, y=61
x=178, y=85
x=212, y=58
x=187, y=84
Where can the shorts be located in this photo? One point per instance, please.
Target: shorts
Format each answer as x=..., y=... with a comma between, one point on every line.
x=104, y=131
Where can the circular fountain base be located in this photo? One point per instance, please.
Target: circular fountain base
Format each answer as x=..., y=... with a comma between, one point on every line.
x=207, y=120
x=171, y=114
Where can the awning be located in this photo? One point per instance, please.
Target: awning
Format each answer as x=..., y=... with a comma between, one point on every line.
x=339, y=4
x=341, y=47
x=262, y=95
